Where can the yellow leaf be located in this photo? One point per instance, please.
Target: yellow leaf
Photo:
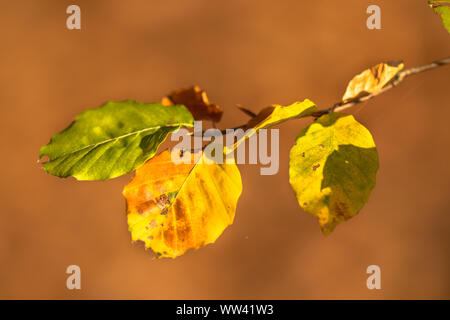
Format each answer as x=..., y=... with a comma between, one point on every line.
x=196, y=100
x=175, y=207
x=332, y=168
x=276, y=114
x=371, y=80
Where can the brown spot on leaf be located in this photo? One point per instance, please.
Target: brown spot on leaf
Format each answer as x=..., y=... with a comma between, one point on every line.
x=184, y=230
x=169, y=237
x=341, y=210
x=164, y=198
x=162, y=201
x=145, y=207
x=180, y=210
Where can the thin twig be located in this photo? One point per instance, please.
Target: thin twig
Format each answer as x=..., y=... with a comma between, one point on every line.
x=441, y=4
x=340, y=106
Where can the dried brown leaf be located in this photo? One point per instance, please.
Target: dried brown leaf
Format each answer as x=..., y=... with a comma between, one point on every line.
x=196, y=100
x=371, y=80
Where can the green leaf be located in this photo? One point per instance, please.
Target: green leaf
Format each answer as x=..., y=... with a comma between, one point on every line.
x=112, y=140
x=442, y=7
x=332, y=168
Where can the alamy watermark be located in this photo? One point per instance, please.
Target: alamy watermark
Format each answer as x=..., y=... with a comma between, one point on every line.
x=74, y=279
x=374, y=280
x=74, y=20
x=225, y=148
x=374, y=20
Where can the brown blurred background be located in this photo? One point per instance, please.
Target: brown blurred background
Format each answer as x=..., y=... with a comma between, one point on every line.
x=249, y=52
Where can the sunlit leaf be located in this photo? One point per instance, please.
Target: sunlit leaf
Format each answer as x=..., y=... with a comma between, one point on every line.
x=332, y=168
x=112, y=140
x=442, y=7
x=371, y=80
x=196, y=100
x=276, y=114
x=175, y=207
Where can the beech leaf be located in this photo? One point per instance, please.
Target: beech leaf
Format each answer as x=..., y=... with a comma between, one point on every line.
x=173, y=207
x=196, y=100
x=332, y=168
x=112, y=140
x=273, y=115
x=276, y=114
x=442, y=7
x=371, y=80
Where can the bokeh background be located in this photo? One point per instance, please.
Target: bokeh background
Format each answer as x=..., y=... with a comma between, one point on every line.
x=252, y=53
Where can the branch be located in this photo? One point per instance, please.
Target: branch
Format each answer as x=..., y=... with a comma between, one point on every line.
x=340, y=106
x=402, y=75
x=441, y=4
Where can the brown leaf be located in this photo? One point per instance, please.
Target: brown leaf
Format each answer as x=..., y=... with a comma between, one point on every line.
x=196, y=100
x=371, y=80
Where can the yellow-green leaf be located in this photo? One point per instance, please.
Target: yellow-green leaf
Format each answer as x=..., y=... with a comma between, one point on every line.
x=175, y=207
x=112, y=140
x=275, y=114
x=332, y=168
x=371, y=80
x=442, y=7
